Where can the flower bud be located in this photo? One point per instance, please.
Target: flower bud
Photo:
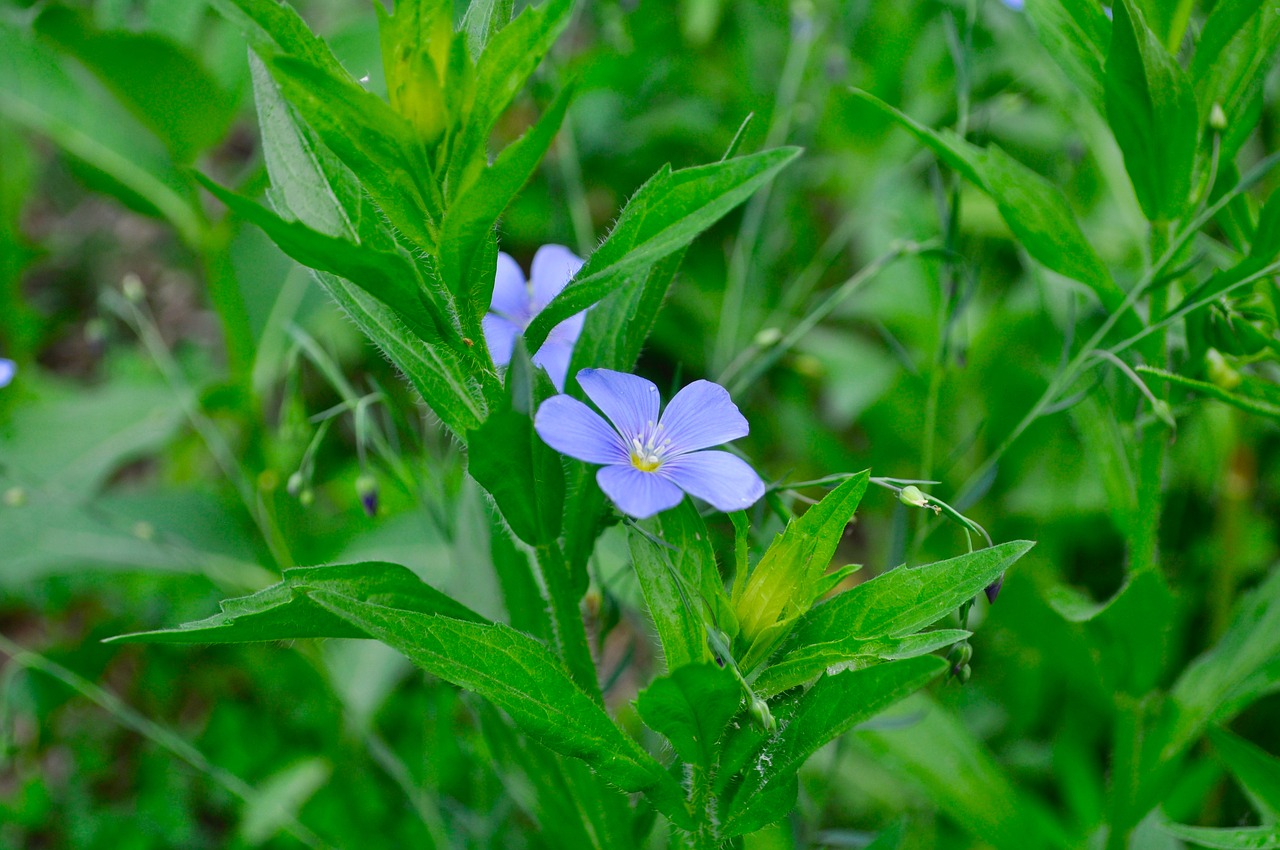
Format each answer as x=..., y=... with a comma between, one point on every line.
x=768, y=337
x=993, y=590
x=760, y=714
x=960, y=655
x=295, y=484
x=1220, y=372
x=913, y=496
x=307, y=497
x=1217, y=118
x=131, y=286
x=367, y=490
x=963, y=674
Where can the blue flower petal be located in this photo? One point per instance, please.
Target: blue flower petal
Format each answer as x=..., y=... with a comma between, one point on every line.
x=510, y=293
x=725, y=481
x=700, y=416
x=552, y=268
x=573, y=429
x=7, y=370
x=500, y=335
x=629, y=401
x=638, y=494
x=554, y=356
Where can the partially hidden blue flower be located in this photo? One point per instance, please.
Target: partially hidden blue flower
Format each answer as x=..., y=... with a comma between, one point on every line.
x=516, y=301
x=651, y=461
x=7, y=370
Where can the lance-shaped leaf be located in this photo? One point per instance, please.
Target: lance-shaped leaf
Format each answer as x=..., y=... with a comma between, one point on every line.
x=764, y=792
x=311, y=185
x=665, y=215
x=1257, y=771
x=1036, y=210
x=161, y=81
x=1152, y=110
x=781, y=587
x=283, y=611
x=520, y=676
x=471, y=218
x=272, y=26
x=1235, y=51
x=691, y=707
x=1075, y=33
x=1244, y=838
x=522, y=473
x=389, y=277
x=510, y=57
x=906, y=599
x=376, y=143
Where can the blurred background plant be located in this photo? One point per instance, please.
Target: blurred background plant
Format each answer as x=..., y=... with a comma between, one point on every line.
x=190, y=407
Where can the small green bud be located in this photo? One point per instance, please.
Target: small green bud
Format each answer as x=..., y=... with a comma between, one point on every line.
x=132, y=288
x=1220, y=372
x=307, y=497
x=768, y=337
x=912, y=495
x=1217, y=118
x=759, y=711
x=960, y=654
x=964, y=674
x=296, y=484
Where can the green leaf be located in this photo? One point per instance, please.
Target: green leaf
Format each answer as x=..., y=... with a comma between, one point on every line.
x=509, y=58
x=523, y=474
x=283, y=611
x=311, y=185
x=1245, y=838
x=1075, y=34
x=1233, y=56
x=1257, y=771
x=38, y=94
x=280, y=798
x=376, y=143
x=831, y=707
x=483, y=19
x=782, y=586
x=1151, y=107
x=390, y=277
x=665, y=215
x=470, y=219
x=160, y=81
x=906, y=599
x=1250, y=643
x=1256, y=405
x=520, y=676
x=691, y=707
x=272, y=26
x=964, y=780
x=806, y=663
x=1036, y=210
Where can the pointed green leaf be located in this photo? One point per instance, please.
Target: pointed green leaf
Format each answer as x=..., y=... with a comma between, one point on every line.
x=907, y=599
x=691, y=707
x=1152, y=110
x=283, y=611
x=1075, y=33
x=665, y=215
x=1244, y=838
x=1257, y=771
x=1235, y=52
x=830, y=708
x=1036, y=211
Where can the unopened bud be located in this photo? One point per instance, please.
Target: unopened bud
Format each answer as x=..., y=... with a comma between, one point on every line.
x=913, y=496
x=367, y=490
x=1217, y=118
x=768, y=337
x=295, y=485
x=960, y=655
x=1220, y=372
x=759, y=711
x=963, y=674
x=993, y=590
x=307, y=497
x=132, y=288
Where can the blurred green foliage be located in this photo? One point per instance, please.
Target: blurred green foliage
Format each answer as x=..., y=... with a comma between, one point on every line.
x=176, y=371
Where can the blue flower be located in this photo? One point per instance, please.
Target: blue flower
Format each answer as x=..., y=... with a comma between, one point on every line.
x=651, y=461
x=515, y=303
x=7, y=370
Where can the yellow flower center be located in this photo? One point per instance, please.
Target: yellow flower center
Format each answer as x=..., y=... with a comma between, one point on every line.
x=648, y=448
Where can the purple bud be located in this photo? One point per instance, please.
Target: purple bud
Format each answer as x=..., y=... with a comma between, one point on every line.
x=993, y=589
x=367, y=489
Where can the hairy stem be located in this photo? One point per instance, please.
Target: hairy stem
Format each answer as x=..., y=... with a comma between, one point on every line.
x=566, y=619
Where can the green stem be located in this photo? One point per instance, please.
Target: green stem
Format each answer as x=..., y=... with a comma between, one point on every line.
x=566, y=619
x=704, y=837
